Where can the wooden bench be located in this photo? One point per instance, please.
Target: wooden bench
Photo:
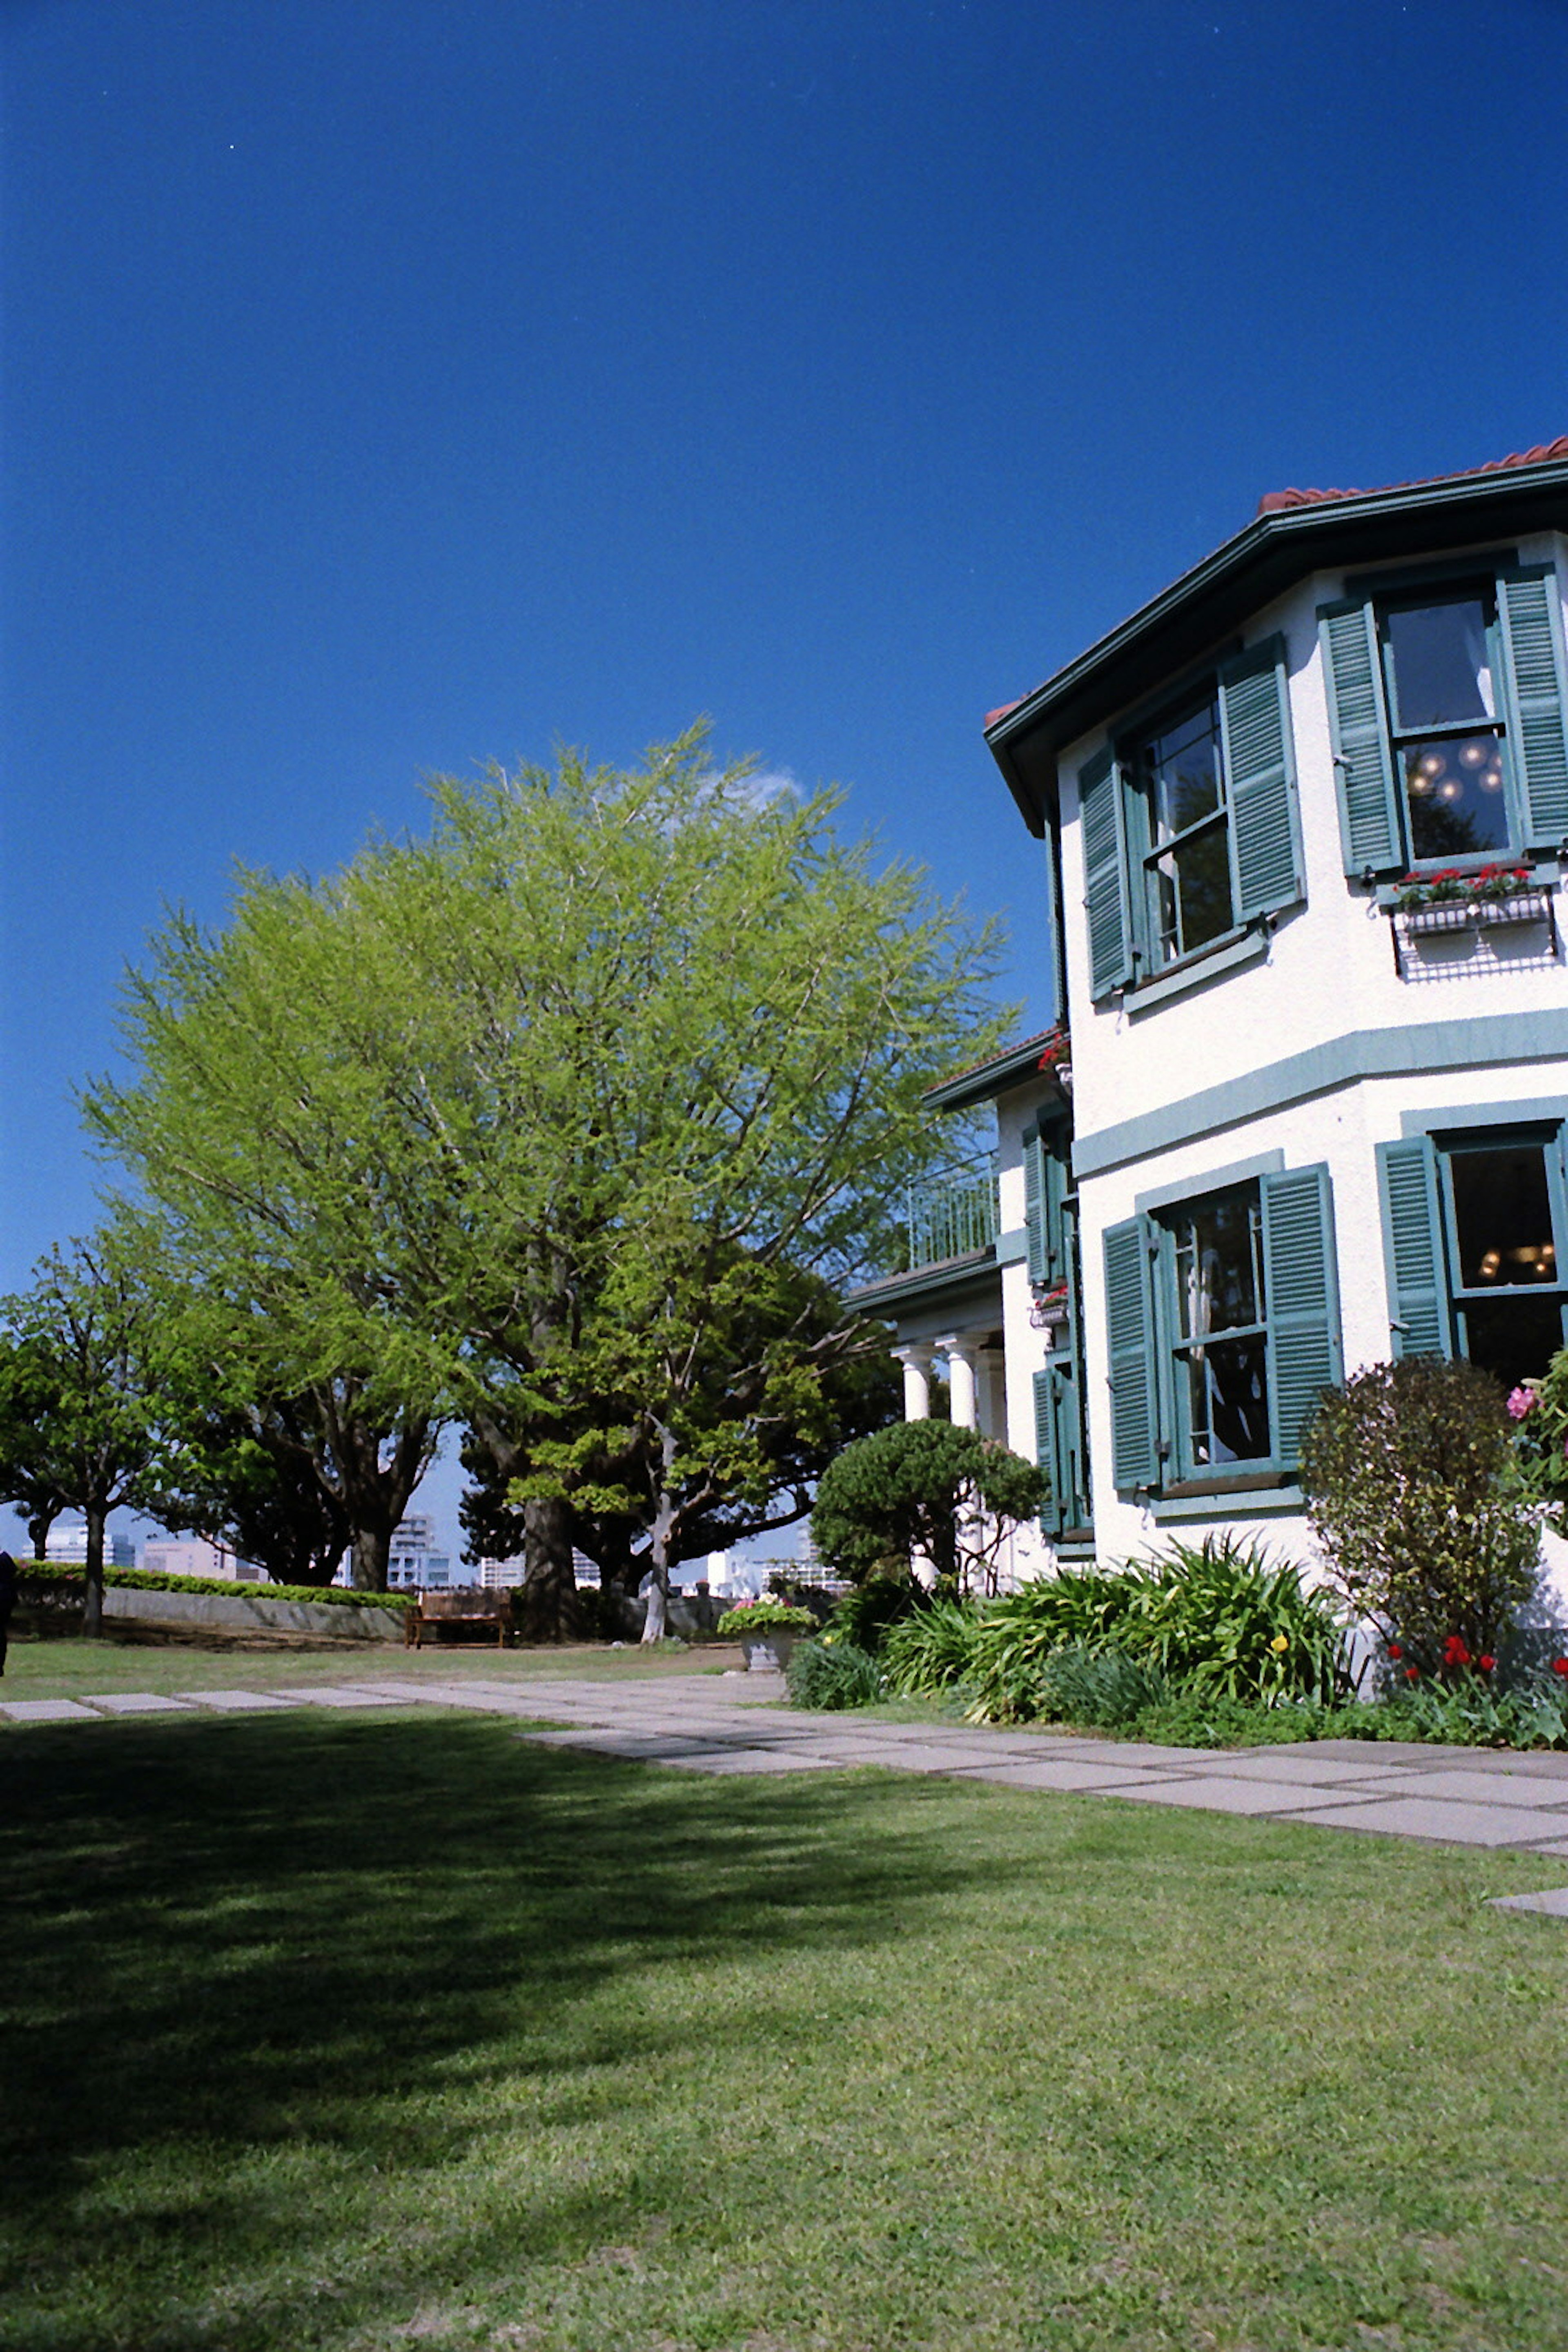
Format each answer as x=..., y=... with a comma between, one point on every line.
x=455, y=1610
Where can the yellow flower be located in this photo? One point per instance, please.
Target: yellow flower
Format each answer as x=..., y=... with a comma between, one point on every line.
x=1280, y=1644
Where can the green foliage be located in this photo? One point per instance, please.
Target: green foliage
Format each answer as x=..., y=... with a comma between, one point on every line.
x=227, y=1588
x=1104, y=1689
x=1413, y=1495
x=911, y=1491
x=830, y=1676
x=932, y=1650
x=1219, y=1619
x=767, y=1616
x=862, y=1615
x=1540, y=1415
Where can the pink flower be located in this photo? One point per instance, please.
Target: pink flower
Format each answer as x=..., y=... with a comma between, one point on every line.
x=1521, y=1402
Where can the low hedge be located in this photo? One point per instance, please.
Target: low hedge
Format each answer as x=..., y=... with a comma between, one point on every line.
x=227, y=1588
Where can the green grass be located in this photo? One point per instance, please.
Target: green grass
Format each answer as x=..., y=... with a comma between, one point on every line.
x=70, y=1669
x=379, y=2032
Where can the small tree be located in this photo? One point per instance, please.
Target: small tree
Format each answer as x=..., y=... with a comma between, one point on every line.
x=1407, y=1472
x=926, y=1490
x=88, y=1331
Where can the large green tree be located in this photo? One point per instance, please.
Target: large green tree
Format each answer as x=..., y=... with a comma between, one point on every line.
x=539, y=1118
x=83, y=1344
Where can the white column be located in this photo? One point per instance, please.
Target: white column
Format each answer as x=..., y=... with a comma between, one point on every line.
x=916, y=1362
x=960, y=1383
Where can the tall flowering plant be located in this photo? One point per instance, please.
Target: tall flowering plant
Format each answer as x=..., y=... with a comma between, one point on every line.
x=1539, y=1411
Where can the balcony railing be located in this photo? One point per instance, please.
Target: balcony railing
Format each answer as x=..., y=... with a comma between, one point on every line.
x=953, y=1213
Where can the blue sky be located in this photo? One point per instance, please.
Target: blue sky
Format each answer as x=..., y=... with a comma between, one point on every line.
x=391, y=388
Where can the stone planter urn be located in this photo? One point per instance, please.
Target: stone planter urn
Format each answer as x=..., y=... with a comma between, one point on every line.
x=769, y=1653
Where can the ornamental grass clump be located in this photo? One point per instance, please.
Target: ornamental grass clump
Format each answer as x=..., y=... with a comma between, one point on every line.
x=1413, y=1494
x=831, y=1677
x=931, y=1652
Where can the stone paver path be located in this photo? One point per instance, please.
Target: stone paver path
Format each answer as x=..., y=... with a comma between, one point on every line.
x=738, y=1724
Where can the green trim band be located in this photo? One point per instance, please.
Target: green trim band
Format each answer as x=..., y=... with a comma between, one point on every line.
x=1212, y=1180
x=1205, y=966
x=1011, y=1247
x=1542, y=1110
x=1422, y=1047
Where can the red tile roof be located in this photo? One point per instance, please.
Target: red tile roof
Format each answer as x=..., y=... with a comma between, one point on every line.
x=1278, y=501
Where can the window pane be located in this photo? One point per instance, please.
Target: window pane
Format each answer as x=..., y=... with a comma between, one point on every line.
x=1218, y=1274
x=1439, y=657
x=1182, y=771
x=1516, y=1337
x=1228, y=1401
x=1455, y=793
x=1194, y=892
x=1503, y=1213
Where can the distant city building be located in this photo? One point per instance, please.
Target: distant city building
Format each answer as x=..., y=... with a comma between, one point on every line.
x=412, y=1564
x=498, y=1575
x=194, y=1555
x=69, y=1546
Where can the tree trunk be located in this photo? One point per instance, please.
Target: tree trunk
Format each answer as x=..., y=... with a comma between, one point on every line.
x=368, y=1556
x=656, y=1583
x=547, y=1606
x=92, y=1614
x=38, y=1526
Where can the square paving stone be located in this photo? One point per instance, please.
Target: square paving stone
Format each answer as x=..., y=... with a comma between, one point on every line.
x=235, y=1702
x=1228, y=1792
x=46, y=1710
x=1056, y=1772
x=329, y=1697
x=1553, y=1902
x=1489, y=1787
x=137, y=1702
x=1444, y=1820
x=748, y=1760
x=1295, y=1766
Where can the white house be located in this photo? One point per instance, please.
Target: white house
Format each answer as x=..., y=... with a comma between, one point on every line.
x=1314, y=1123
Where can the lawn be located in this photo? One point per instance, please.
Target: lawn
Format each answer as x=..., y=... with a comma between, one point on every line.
x=66, y=1667
x=388, y=2033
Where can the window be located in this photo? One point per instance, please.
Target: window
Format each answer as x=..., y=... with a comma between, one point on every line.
x=1447, y=711
x=1223, y=1328
x=1189, y=823
x=1474, y=1244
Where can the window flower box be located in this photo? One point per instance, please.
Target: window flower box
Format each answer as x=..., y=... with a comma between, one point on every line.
x=1527, y=906
x=1050, y=1309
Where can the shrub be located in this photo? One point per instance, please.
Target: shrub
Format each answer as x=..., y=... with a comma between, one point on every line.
x=1102, y=1688
x=1410, y=1491
x=1218, y=1617
x=1539, y=1416
x=227, y=1588
x=932, y=1650
x=832, y=1676
x=862, y=1615
x=905, y=1492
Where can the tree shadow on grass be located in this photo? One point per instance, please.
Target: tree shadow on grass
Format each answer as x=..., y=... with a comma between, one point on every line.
x=256, y=1968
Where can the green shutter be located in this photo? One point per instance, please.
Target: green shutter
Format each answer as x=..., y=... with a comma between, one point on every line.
x=1035, y=1203
x=1260, y=782
x=1046, y=1448
x=1130, y=1323
x=1370, y=826
x=1298, y=1275
x=1413, y=1248
x=1529, y=613
x=1105, y=875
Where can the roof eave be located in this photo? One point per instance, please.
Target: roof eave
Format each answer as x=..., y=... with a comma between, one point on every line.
x=1249, y=571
